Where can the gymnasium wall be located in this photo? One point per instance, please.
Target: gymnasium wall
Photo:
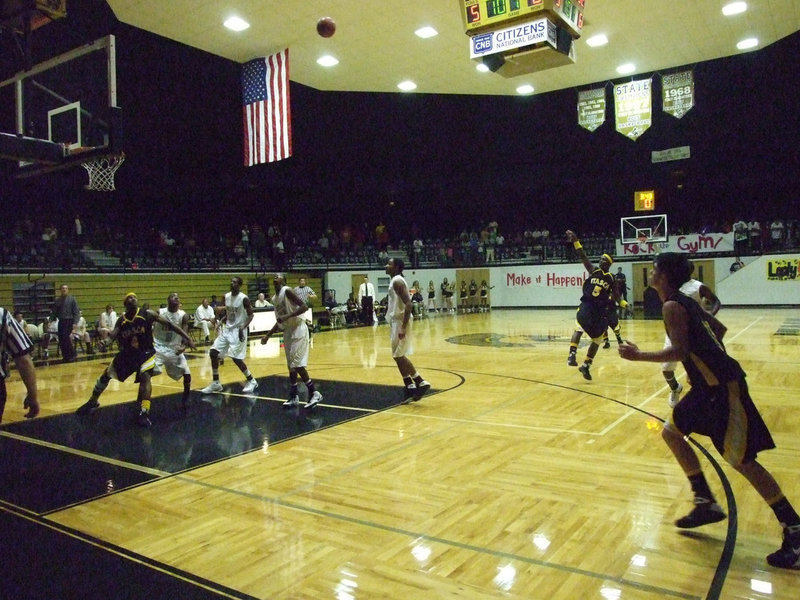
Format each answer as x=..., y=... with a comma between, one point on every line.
x=770, y=280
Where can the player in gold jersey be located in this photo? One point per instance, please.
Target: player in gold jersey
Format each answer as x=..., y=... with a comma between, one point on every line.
x=134, y=333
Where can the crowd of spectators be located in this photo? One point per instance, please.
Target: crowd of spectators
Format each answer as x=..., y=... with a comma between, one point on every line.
x=26, y=245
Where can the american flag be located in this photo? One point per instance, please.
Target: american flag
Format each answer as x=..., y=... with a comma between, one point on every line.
x=267, y=110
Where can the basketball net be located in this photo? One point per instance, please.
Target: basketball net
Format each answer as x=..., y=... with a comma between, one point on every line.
x=101, y=171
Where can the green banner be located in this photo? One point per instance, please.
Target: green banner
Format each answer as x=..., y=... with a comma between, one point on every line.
x=633, y=107
x=592, y=108
x=678, y=93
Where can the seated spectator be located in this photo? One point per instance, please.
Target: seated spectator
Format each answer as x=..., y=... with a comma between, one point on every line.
x=329, y=302
x=205, y=318
x=417, y=299
x=49, y=333
x=79, y=334
x=261, y=301
x=34, y=332
x=353, y=310
x=105, y=324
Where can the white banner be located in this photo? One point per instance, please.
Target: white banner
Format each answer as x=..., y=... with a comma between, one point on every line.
x=592, y=108
x=692, y=243
x=678, y=93
x=633, y=106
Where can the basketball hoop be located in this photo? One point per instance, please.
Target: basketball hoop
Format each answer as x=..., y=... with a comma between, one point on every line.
x=101, y=171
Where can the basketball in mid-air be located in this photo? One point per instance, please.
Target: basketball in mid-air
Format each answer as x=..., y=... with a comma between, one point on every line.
x=326, y=27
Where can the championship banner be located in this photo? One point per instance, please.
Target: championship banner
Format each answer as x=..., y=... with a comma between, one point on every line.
x=678, y=90
x=592, y=108
x=633, y=106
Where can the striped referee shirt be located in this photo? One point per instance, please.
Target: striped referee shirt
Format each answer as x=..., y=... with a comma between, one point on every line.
x=13, y=340
x=304, y=293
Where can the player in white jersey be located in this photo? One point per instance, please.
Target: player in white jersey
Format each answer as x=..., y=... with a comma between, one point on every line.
x=289, y=311
x=700, y=293
x=170, y=347
x=400, y=319
x=232, y=339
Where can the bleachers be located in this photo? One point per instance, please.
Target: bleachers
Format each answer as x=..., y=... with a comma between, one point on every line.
x=94, y=291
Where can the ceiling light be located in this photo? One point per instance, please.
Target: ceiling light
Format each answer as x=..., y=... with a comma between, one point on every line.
x=236, y=24
x=747, y=44
x=426, y=32
x=734, y=8
x=597, y=40
x=327, y=61
x=626, y=69
x=525, y=89
x=482, y=68
x=407, y=86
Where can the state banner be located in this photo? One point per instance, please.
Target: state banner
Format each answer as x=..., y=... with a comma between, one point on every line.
x=592, y=108
x=678, y=91
x=633, y=107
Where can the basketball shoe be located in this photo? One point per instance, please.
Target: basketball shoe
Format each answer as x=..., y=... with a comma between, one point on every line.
x=584, y=369
x=143, y=420
x=675, y=395
x=408, y=393
x=571, y=360
x=315, y=399
x=422, y=388
x=250, y=387
x=292, y=402
x=704, y=512
x=215, y=387
x=88, y=408
x=788, y=557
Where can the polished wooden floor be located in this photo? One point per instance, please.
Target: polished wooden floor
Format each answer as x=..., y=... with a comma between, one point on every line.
x=516, y=479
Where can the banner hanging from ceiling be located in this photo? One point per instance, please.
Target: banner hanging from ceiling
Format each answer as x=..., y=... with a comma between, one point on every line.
x=592, y=108
x=633, y=107
x=678, y=93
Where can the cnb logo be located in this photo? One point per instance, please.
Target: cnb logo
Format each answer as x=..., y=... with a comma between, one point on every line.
x=482, y=43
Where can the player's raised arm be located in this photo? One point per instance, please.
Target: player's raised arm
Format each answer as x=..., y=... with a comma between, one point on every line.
x=573, y=239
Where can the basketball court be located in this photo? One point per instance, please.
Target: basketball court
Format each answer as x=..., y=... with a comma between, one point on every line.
x=515, y=476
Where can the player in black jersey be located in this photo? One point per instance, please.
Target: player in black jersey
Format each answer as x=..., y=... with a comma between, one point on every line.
x=593, y=310
x=718, y=405
x=134, y=333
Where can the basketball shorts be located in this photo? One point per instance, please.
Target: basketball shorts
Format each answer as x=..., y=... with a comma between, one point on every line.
x=402, y=347
x=295, y=344
x=126, y=364
x=592, y=320
x=174, y=364
x=228, y=344
x=726, y=414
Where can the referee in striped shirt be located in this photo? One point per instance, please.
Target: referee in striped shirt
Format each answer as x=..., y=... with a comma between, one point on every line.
x=15, y=343
x=304, y=292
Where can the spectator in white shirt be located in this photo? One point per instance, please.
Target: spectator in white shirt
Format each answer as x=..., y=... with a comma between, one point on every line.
x=205, y=319
x=366, y=297
x=105, y=324
x=261, y=301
